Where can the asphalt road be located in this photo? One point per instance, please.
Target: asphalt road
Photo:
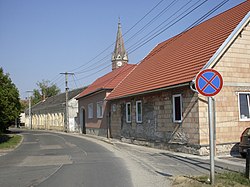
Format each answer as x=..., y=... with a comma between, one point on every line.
x=49, y=159
x=59, y=159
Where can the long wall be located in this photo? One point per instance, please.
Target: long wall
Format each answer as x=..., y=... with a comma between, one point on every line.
x=53, y=118
x=157, y=127
x=51, y=121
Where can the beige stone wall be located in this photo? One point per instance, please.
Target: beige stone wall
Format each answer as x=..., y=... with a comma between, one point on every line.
x=116, y=117
x=234, y=67
x=54, y=121
x=203, y=120
x=158, y=125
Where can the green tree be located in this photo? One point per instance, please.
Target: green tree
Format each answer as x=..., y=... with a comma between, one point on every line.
x=10, y=106
x=45, y=90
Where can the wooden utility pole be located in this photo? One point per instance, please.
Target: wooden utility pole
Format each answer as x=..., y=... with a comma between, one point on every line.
x=66, y=117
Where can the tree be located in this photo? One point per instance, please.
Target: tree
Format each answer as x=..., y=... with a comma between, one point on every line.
x=10, y=106
x=45, y=90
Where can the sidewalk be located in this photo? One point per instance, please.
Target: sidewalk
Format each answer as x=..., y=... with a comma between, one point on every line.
x=168, y=163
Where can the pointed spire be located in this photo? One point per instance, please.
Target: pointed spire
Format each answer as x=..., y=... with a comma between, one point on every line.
x=119, y=57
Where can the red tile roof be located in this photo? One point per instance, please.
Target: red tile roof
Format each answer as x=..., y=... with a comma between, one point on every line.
x=108, y=81
x=179, y=59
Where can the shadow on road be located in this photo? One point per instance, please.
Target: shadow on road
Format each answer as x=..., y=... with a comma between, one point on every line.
x=197, y=163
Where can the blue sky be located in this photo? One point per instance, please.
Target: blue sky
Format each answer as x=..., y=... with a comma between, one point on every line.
x=39, y=39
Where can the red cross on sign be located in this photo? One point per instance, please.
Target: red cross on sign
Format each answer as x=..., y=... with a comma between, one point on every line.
x=208, y=82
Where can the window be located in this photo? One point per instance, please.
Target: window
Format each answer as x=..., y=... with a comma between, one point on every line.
x=138, y=112
x=114, y=108
x=99, y=109
x=177, y=108
x=90, y=110
x=244, y=106
x=128, y=112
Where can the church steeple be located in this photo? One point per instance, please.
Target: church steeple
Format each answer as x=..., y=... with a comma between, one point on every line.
x=119, y=56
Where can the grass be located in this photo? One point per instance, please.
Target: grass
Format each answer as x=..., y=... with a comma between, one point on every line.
x=9, y=141
x=226, y=179
x=233, y=178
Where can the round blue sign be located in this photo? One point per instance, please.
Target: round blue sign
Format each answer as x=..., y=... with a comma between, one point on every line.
x=209, y=82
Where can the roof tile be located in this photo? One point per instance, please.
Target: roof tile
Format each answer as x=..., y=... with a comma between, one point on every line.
x=108, y=81
x=179, y=59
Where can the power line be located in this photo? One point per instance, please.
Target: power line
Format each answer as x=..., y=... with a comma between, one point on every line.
x=154, y=31
x=156, y=34
x=163, y=30
x=165, y=9
x=153, y=19
x=195, y=23
x=201, y=19
x=74, y=78
x=94, y=67
x=90, y=68
x=58, y=77
x=123, y=35
x=106, y=67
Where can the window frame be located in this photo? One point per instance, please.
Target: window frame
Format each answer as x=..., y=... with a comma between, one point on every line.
x=128, y=117
x=174, y=107
x=136, y=113
x=98, y=104
x=92, y=110
x=248, y=100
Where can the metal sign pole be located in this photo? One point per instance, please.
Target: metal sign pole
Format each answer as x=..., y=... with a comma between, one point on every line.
x=208, y=83
x=211, y=138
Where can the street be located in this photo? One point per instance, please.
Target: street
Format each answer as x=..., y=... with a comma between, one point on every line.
x=59, y=159
x=48, y=159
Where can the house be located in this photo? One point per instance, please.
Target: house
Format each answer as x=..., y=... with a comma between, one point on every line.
x=156, y=105
x=93, y=109
x=49, y=114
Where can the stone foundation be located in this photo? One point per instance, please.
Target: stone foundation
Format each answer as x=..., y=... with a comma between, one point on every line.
x=97, y=132
x=222, y=149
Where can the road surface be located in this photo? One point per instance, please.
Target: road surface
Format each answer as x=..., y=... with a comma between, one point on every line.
x=49, y=159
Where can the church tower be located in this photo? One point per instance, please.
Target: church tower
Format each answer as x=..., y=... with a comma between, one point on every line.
x=119, y=56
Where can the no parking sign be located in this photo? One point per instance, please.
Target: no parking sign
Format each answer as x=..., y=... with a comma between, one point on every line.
x=208, y=82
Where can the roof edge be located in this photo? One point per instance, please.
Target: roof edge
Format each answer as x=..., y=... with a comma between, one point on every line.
x=94, y=92
x=226, y=44
x=151, y=91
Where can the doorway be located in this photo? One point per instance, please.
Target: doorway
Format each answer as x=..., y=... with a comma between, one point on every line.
x=82, y=121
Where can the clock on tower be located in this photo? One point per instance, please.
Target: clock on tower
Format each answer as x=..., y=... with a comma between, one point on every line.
x=119, y=56
x=119, y=63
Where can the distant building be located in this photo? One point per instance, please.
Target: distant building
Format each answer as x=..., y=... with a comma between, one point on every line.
x=22, y=119
x=50, y=113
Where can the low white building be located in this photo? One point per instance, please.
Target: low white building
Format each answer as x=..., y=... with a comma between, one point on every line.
x=50, y=113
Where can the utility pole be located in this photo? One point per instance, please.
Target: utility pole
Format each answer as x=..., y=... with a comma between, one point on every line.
x=66, y=122
x=30, y=119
